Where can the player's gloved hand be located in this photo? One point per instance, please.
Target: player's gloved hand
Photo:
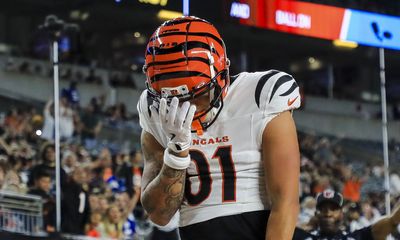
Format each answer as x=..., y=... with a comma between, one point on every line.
x=176, y=122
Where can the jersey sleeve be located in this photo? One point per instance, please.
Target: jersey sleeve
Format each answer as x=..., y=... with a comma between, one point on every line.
x=144, y=112
x=277, y=92
x=147, y=122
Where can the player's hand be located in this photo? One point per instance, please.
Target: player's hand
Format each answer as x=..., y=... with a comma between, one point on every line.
x=176, y=122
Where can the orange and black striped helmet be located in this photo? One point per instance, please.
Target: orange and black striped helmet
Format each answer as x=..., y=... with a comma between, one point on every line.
x=186, y=58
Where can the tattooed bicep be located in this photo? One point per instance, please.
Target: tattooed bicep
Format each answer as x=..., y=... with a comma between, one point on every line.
x=153, y=154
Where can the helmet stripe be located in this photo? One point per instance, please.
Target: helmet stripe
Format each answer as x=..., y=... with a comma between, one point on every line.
x=177, y=48
x=199, y=34
x=206, y=61
x=179, y=74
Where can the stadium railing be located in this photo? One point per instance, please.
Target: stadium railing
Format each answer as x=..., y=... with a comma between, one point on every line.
x=21, y=213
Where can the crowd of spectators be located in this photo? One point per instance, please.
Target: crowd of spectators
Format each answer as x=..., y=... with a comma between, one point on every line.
x=325, y=166
x=100, y=189
x=89, y=74
x=100, y=186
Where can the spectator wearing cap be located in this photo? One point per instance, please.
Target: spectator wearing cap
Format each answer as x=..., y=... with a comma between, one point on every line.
x=329, y=217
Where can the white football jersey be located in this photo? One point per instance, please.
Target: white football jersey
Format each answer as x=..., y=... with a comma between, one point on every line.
x=226, y=173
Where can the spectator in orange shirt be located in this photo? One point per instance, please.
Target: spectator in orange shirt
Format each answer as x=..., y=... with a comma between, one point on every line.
x=351, y=189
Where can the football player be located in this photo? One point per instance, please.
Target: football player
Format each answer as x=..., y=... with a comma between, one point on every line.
x=220, y=149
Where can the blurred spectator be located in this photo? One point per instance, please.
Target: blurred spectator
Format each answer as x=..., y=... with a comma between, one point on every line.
x=90, y=126
x=95, y=227
x=324, y=152
x=105, y=162
x=75, y=204
x=115, y=117
x=48, y=126
x=369, y=214
x=394, y=184
x=41, y=188
x=329, y=217
x=374, y=182
x=321, y=183
x=351, y=188
x=354, y=217
x=119, y=223
x=48, y=164
x=122, y=175
x=73, y=95
x=12, y=182
x=15, y=121
x=104, y=204
x=66, y=117
x=113, y=223
x=3, y=170
x=123, y=112
x=69, y=161
x=137, y=169
x=307, y=212
x=94, y=202
x=126, y=206
x=97, y=104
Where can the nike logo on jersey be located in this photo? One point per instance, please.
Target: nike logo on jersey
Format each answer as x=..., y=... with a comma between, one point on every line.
x=290, y=102
x=172, y=136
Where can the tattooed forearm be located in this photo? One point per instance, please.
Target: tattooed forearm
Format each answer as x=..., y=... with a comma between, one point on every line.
x=162, y=186
x=172, y=173
x=174, y=190
x=172, y=183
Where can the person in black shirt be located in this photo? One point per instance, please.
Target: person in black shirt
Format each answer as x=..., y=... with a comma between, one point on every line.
x=48, y=166
x=41, y=188
x=329, y=217
x=75, y=209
